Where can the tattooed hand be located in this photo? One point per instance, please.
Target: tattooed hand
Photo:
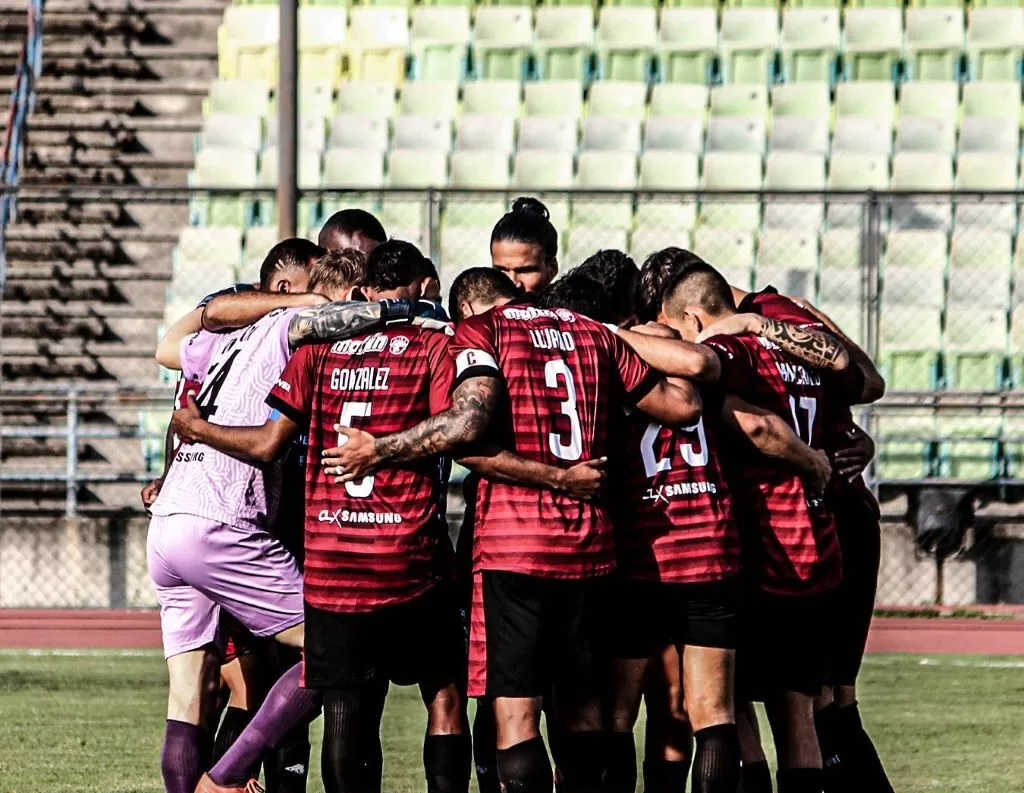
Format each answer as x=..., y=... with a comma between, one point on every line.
x=734, y=325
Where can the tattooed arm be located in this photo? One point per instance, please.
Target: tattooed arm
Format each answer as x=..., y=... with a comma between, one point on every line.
x=228, y=312
x=345, y=319
x=814, y=347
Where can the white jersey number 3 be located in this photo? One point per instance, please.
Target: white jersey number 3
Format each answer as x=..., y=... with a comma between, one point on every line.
x=360, y=488
x=553, y=372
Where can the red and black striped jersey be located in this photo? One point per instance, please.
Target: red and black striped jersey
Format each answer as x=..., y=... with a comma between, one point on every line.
x=674, y=515
x=795, y=550
x=382, y=539
x=564, y=377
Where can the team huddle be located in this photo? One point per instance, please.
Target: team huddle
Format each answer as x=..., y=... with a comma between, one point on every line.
x=664, y=506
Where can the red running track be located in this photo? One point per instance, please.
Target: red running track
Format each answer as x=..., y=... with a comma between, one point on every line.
x=86, y=629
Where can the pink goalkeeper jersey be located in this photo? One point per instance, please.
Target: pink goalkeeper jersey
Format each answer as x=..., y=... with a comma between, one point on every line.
x=237, y=371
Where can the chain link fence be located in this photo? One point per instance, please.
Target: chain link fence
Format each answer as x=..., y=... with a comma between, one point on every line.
x=928, y=284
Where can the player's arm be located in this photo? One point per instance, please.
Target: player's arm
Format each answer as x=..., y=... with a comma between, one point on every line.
x=773, y=437
x=152, y=488
x=168, y=349
x=673, y=356
x=344, y=319
x=583, y=480
x=814, y=347
x=674, y=403
x=252, y=444
x=228, y=312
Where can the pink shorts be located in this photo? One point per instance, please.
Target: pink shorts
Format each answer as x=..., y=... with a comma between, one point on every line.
x=200, y=566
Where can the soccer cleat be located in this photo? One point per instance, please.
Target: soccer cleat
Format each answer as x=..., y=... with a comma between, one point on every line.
x=207, y=785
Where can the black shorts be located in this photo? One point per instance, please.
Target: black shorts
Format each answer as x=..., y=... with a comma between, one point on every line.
x=532, y=634
x=418, y=642
x=784, y=645
x=645, y=617
x=860, y=539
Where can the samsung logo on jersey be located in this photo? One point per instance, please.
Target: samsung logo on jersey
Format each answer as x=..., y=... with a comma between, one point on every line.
x=797, y=374
x=375, y=343
x=365, y=378
x=531, y=312
x=351, y=516
x=665, y=492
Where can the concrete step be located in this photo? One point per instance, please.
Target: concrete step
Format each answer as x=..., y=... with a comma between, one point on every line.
x=41, y=369
x=130, y=22
x=151, y=67
x=144, y=294
x=174, y=152
x=56, y=213
x=160, y=146
x=137, y=98
x=146, y=173
x=52, y=321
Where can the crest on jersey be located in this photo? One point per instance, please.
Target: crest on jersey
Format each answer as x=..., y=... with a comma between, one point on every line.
x=399, y=344
x=564, y=315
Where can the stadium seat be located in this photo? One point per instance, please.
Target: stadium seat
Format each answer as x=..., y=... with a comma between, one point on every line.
x=799, y=134
x=862, y=135
x=312, y=133
x=802, y=100
x=415, y=169
x=910, y=342
x=316, y=98
x=810, y=40
x=872, y=42
x=867, y=99
x=674, y=99
x=204, y=244
x=1013, y=443
x=645, y=241
x=749, y=38
x=926, y=134
x=912, y=286
x=916, y=248
x=258, y=242
x=323, y=41
x=352, y=168
x=854, y=171
x=477, y=169
x=432, y=133
x=232, y=130
x=584, y=242
x=564, y=42
x=904, y=444
x=357, y=131
x=913, y=170
x=995, y=99
x=605, y=170
x=982, y=171
x=739, y=100
x=247, y=97
x=439, y=42
x=429, y=98
x=933, y=43
x=736, y=134
x=980, y=264
x=368, y=97
x=485, y=132
x=668, y=170
x=789, y=170
x=543, y=170
x=548, y=133
x=733, y=250
x=493, y=97
x=617, y=98
x=554, y=98
x=674, y=133
x=610, y=133
x=847, y=316
x=991, y=135
x=787, y=260
x=309, y=168
x=969, y=449
x=625, y=41
x=995, y=42
x=687, y=42
x=841, y=287
x=218, y=166
x=841, y=250
x=502, y=39
x=462, y=248
x=378, y=42
x=731, y=171
x=247, y=43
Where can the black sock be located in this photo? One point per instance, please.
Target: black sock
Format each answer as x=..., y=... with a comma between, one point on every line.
x=524, y=768
x=485, y=747
x=351, y=760
x=799, y=780
x=446, y=761
x=665, y=776
x=850, y=758
x=757, y=778
x=185, y=755
x=231, y=726
x=582, y=759
x=287, y=766
x=716, y=760
x=621, y=762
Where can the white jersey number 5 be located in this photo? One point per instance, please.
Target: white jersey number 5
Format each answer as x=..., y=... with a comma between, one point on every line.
x=360, y=488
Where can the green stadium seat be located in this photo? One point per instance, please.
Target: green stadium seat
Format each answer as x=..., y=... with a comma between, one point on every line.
x=548, y=133
x=990, y=135
x=247, y=97
x=564, y=42
x=668, y=170
x=728, y=249
x=478, y=169
x=969, y=450
x=787, y=260
x=232, y=130
x=687, y=42
x=975, y=347
x=611, y=133
x=358, y=169
x=992, y=99
x=793, y=133
x=980, y=263
x=462, y=248
x=675, y=99
x=926, y=134
x=731, y=171
x=791, y=170
x=872, y=42
x=862, y=135
x=323, y=41
x=554, y=98
x=931, y=99
x=995, y=43
x=1013, y=444
x=735, y=133
x=841, y=250
x=916, y=248
x=913, y=286
x=801, y=100
x=617, y=98
x=674, y=133
x=367, y=97
x=625, y=42
x=309, y=168
x=854, y=171
x=838, y=286
x=1017, y=339
x=543, y=170
x=810, y=41
x=378, y=43
x=316, y=98
x=247, y=43
x=585, y=242
x=439, y=42
x=690, y=4
x=358, y=131
x=904, y=443
x=427, y=133
x=934, y=43
x=605, y=170
x=492, y=97
x=978, y=171
x=502, y=40
x=416, y=169
x=910, y=343
x=218, y=166
x=477, y=132
x=912, y=170
x=258, y=242
x=644, y=241
x=847, y=316
x=204, y=244
x=866, y=99
x=739, y=100
x=815, y=4
x=749, y=38
x=312, y=133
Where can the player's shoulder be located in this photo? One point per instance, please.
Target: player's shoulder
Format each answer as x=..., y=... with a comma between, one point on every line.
x=732, y=346
x=769, y=303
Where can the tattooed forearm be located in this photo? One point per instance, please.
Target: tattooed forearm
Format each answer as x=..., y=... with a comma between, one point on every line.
x=820, y=350
x=333, y=322
x=464, y=422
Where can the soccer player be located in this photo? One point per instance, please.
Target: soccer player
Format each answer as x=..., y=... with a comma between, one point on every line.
x=352, y=228
x=541, y=560
x=524, y=245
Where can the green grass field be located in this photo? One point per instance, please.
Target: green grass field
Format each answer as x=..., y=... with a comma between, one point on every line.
x=93, y=722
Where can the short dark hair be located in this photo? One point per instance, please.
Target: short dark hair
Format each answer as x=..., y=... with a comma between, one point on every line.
x=657, y=270
x=700, y=284
x=478, y=283
x=355, y=221
x=579, y=292
x=528, y=222
x=397, y=263
x=291, y=254
x=618, y=274
x=337, y=270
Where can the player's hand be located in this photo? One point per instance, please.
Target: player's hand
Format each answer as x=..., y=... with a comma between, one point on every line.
x=354, y=458
x=655, y=329
x=584, y=480
x=150, y=492
x=821, y=472
x=735, y=325
x=851, y=460
x=185, y=420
